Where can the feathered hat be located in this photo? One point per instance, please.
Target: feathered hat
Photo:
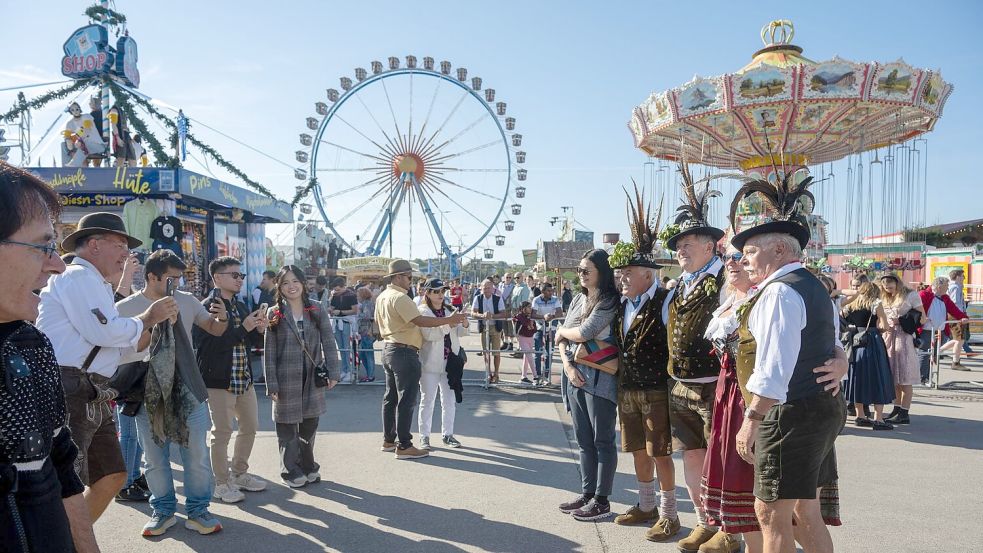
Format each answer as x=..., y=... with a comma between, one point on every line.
x=787, y=201
x=692, y=215
x=644, y=234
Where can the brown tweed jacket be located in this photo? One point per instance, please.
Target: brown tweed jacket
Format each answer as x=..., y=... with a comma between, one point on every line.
x=298, y=398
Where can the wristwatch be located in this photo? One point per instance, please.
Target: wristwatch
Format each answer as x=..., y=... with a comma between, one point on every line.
x=751, y=414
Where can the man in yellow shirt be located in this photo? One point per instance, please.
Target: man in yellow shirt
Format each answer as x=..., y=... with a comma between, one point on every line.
x=399, y=323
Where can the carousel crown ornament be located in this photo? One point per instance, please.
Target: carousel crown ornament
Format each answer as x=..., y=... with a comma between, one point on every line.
x=642, y=250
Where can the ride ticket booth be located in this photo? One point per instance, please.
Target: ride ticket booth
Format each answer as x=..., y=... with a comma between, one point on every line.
x=197, y=217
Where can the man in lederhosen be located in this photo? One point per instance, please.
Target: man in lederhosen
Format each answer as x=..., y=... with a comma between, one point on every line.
x=692, y=365
x=643, y=393
x=786, y=330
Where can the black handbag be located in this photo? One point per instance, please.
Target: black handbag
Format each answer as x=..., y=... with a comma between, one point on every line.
x=910, y=321
x=321, y=374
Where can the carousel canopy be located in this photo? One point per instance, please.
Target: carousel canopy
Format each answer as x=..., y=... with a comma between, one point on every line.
x=785, y=105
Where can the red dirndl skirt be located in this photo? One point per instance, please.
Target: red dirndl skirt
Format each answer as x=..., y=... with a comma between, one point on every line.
x=727, y=486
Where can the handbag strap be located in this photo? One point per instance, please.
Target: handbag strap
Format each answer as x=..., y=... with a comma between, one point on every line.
x=303, y=345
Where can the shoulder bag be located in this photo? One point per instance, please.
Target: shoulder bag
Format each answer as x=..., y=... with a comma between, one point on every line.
x=321, y=374
x=599, y=355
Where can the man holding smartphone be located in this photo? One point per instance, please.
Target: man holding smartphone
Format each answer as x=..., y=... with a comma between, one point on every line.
x=163, y=271
x=224, y=364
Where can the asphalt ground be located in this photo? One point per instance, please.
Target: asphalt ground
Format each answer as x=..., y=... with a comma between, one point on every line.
x=915, y=489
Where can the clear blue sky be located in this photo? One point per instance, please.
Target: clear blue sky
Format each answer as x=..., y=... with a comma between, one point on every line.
x=570, y=71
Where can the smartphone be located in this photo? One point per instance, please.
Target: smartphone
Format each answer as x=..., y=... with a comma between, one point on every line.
x=141, y=257
x=171, y=286
x=262, y=308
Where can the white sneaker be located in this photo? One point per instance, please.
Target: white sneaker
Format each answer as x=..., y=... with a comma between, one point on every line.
x=313, y=477
x=298, y=482
x=248, y=482
x=228, y=493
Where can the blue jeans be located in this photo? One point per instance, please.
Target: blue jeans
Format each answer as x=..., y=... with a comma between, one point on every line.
x=343, y=337
x=129, y=444
x=541, y=351
x=367, y=356
x=198, y=479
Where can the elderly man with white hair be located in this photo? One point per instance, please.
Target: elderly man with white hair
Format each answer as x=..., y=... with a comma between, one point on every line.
x=786, y=330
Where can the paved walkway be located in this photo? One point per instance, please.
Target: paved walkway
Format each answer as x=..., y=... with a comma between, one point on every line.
x=902, y=491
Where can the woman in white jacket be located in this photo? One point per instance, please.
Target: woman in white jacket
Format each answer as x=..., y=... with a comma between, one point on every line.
x=438, y=343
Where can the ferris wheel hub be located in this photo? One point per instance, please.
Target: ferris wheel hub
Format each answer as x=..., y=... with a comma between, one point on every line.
x=408, y=163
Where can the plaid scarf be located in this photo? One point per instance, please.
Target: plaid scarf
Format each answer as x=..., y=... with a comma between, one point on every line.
x=241, y=377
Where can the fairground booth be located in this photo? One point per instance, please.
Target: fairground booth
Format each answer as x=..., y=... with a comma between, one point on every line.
x=195, y=216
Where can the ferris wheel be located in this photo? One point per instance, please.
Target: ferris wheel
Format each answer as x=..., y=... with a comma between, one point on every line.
x=415, y=160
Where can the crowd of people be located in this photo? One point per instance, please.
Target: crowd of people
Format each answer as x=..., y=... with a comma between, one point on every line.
x=739, y=364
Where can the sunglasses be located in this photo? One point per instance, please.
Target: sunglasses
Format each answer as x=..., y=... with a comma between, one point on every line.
x=237, y=276
x=736, y=257
x=582, y=271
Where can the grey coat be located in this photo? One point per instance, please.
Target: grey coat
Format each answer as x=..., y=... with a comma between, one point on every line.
x=298, y=398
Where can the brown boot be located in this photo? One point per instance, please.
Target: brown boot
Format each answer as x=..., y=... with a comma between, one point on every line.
x=636, y=515
x=721, y=542
x=663, y=529
x=700, y=535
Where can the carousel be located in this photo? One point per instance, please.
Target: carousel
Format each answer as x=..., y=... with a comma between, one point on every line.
x=783, y=112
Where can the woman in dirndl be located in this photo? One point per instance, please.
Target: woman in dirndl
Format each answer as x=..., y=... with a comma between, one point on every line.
x=728, y=481
x=869, y=381
x=898, y=301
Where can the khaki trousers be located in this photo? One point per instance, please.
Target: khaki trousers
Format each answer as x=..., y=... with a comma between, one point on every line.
x=226, y=407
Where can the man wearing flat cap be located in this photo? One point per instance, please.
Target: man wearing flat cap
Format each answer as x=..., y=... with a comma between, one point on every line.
x=399, y=322
x=78, y=314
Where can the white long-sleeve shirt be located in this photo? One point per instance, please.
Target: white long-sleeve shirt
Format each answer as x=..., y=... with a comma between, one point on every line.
x=631, y=310
x=78, y=312
x=776, y=322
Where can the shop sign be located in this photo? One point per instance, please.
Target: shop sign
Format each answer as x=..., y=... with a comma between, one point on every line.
x=88, y=54
x=135, y=181
x=222, y=193
x=93, y=200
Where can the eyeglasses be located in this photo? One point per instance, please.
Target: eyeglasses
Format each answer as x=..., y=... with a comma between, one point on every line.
x=48, y=249
x=736, y=257
x=582, y=271
x=237, y=276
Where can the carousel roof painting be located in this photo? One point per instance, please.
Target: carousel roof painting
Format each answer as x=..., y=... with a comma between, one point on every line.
x=784, y=104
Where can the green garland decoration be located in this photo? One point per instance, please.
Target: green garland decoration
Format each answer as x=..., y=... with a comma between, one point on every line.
x=96, y=12
x=23, y=105
x=311, y=183
x=194, y=141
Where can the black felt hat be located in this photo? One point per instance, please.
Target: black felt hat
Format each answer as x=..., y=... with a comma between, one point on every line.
x=99, y=223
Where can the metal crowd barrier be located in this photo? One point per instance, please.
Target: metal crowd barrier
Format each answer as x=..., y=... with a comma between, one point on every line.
x=548, y=353
x=935, y=367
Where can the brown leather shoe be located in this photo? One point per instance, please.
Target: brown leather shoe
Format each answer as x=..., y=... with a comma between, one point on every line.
x=663, y=529
x=635, y=515
x=411, y=453
x=700, y=535
x=388, y=447
x=721, y=542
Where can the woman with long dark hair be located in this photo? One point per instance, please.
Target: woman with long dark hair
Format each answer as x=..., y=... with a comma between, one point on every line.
x=299, y=340
x=591, y=395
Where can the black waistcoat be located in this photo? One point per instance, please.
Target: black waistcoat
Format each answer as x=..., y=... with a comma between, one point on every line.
x=644, y=349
